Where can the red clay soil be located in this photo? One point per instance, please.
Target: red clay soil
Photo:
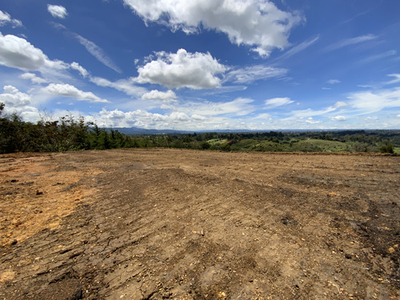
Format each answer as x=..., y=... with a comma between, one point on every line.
x=181, y=224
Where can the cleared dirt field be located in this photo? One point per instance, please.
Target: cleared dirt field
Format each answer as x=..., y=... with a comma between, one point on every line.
x=178, y=224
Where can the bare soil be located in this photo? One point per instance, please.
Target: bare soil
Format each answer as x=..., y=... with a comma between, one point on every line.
x=180, y=224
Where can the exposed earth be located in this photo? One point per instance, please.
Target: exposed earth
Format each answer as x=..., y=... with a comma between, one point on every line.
x=182, y=224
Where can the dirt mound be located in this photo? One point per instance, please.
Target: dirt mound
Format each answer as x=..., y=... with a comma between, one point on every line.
x=162, y=223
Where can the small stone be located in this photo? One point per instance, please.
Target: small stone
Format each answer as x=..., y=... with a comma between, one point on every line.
x=14, y=242
x=391, y=250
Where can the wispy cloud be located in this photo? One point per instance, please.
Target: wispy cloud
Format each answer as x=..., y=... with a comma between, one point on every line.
x=306, y=113
x=296, y=49
x=356, y=16
x=250, y=74
x=351, y=41
x=374, y=101
x=378, y=56
x=276, y=102
x=333, y=81
x=91, y=47
x=395, y=80
x=98, y=53
x=5, y=18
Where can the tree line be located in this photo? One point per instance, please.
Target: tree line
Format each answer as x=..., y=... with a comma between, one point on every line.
x=69, y=133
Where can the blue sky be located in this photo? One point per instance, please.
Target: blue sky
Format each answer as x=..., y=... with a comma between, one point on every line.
x=204, y=64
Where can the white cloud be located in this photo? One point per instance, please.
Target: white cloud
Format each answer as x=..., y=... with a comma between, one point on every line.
x=183, y=69
x=310, y=112
x=296, y=49
x=374, y=101
x=253, y=73
x=158, y=95
x=395, y=80
x=12, y=97
x=5, y=18
x=339, y=118
x=16, y=52
x=144, y=119
x=97, y=52
x=126, y=86
x=256, y=23
x=351, y=41
x=237, y=107
x=333, y=81
x=276, y=102
x=69, y=91
x=398, y=116
x=310, y=120
x=33, y=78
x=57, y=11
x=80, y=69
x=378, y=56
x=20, y=103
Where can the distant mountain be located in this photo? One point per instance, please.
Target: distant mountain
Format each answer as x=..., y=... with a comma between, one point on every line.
x=142, y=131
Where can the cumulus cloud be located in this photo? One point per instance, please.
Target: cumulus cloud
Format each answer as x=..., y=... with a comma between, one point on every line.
x=158, y=95
x=182, y=69
x=69, y=91
x=351, y=41
x=276, y=102
x=126, y=86
x=250, y=74
x=144, y=119
x=16, y=52
x=12, y=97
x=33, y=78
x=57, y=11
x=256, y=23
x=5, y=19
x=20, y=103
x=80, y=69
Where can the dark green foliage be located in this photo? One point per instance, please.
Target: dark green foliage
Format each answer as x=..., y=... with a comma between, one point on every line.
x=63, y=135
x=388, y=148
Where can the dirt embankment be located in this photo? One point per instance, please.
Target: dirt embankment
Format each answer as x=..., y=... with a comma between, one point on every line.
x=162, y=223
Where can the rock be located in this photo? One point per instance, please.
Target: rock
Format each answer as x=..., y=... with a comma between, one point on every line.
x=77, y=294
x=391, y=250
x=288, y=221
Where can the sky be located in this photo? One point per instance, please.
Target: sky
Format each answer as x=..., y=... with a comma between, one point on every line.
x=203, y=64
